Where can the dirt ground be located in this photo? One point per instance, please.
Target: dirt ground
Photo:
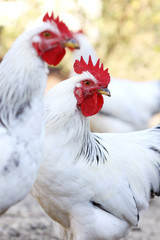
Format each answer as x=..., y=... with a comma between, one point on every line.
x=27, y=221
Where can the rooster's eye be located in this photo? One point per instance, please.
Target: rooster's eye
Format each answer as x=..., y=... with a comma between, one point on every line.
x=86, y=82
x=46, y=34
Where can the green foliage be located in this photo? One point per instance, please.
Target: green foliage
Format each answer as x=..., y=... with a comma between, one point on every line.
x=125, y=34
x=129, y=38
x=11, y=28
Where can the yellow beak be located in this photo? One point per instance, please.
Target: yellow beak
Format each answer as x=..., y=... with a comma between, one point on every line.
x=105, y=91
x=71, y=43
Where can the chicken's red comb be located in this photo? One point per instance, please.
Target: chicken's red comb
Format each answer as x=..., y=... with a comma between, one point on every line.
x=96, y=70
x=60, y=24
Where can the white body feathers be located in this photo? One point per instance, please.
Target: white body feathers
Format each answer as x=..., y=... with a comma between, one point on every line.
x=94, y=185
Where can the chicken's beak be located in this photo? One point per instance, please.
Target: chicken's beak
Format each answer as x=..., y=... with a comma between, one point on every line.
x=105, y=91
x=71, y=43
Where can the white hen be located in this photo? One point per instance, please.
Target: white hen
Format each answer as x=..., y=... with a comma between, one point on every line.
x=132, y=104
x=23, y=75
x=94, y=185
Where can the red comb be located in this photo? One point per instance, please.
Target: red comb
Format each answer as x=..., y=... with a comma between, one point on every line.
x=60, y=24
x=96, y=70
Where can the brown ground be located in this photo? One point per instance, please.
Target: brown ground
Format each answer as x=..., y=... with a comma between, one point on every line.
x=27, y=221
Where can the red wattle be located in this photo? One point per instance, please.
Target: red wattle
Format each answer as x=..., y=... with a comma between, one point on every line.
x=54, y=56
x=91, y=104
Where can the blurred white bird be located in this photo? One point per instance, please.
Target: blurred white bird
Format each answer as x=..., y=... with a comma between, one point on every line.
x=93, y=185
x=132, y=104
x=23, y=75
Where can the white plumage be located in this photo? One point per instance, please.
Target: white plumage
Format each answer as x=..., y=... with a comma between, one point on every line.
x=23, y=76
x=93, y=185
x=132, y=103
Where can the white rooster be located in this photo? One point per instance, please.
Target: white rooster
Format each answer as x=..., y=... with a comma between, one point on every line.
x=23, y=75
x=132, y=104
x=93, y=184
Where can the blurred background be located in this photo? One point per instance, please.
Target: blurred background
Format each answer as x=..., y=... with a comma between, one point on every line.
x=125, y=34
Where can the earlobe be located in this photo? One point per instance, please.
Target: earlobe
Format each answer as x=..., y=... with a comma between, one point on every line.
x=36, y=46
x=78, y=94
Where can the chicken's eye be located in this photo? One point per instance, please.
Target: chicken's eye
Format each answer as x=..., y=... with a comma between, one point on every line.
x=87, y=82
x=47, y=34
